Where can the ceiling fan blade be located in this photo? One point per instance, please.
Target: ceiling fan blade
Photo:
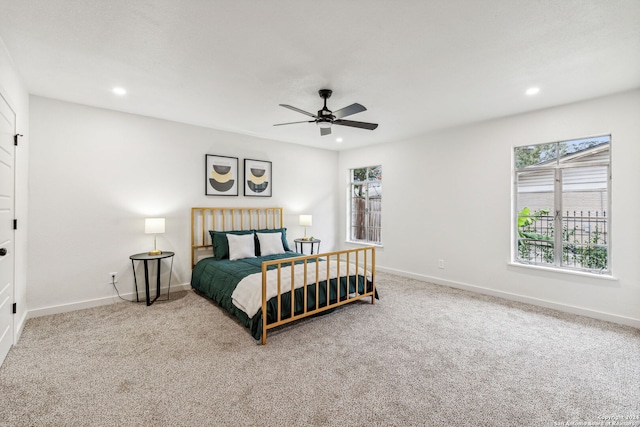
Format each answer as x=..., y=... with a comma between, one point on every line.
x=325, y=131
x=298, y=110
x=347, y=111
x=361, y=125
x=293, y=123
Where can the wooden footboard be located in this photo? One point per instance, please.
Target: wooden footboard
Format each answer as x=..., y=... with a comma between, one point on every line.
x=304, y=282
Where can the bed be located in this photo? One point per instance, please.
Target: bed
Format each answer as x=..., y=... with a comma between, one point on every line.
x=241, y=260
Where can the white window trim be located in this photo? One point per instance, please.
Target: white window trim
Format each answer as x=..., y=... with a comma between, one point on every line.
x=355, y=242
x=514, y=208
x=348, y=230
x=565, y=270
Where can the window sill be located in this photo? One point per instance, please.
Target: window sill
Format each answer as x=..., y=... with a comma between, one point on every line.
x=604, y=276
x=377, y=245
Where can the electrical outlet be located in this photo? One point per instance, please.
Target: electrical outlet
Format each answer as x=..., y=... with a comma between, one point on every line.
x=113, y=277
x=441, y=264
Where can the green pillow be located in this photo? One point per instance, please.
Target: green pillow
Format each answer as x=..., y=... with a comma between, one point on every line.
x=285, y=245
x=221, y=244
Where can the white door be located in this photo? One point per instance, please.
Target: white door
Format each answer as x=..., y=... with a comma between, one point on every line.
x=7, y=150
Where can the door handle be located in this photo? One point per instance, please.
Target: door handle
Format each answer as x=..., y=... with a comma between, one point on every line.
x=3, y=251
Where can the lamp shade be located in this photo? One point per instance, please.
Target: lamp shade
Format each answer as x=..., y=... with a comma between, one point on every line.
x=306, y=220
x=154, y=225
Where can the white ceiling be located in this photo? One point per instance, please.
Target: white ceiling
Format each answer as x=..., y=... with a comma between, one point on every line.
x=417, y=65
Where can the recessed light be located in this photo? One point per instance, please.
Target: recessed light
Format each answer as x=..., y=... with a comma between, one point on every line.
x=338, y=139
x=119, y=91
x=532, y=91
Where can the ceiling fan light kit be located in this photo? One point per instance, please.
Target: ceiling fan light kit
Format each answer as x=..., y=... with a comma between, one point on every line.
x=326, y=118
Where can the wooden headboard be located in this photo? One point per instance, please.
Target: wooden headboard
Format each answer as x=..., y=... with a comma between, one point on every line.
x=227, y=219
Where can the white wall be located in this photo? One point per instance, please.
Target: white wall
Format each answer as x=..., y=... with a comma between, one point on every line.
x=448, y=196
x=96, y=174
x=14, y=91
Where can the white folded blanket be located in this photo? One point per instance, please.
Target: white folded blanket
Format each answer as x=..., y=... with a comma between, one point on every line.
x=248, y=294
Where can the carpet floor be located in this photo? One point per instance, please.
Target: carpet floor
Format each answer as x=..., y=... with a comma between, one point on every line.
x=423, y=355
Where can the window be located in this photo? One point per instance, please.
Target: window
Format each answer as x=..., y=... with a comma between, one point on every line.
x=562, y=210
x=365, y=204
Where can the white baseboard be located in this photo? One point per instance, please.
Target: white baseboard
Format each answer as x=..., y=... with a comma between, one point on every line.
x=20, y=328
x=614, y=318
x=622, y=320
x=45, y=311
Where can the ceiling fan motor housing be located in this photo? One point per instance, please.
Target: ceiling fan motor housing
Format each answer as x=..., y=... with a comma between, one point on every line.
x=325, y=113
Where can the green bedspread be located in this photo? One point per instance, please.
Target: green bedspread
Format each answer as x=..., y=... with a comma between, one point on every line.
x=217, y=279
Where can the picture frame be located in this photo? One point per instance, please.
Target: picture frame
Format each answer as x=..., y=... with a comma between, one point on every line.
x=221, y=175
x=257, y=178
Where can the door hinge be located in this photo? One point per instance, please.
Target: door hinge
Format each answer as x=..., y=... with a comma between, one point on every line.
x=15, y=224
x=15, y=308
x=15, y=138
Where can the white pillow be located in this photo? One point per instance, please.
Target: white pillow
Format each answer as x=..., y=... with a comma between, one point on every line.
x=241, y=246
x=270, y=243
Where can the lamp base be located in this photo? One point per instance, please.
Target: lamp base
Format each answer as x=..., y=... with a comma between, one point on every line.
x=155, y=252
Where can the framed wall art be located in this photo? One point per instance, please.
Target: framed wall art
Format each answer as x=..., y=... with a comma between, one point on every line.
x=257, y=178
x=221, y=176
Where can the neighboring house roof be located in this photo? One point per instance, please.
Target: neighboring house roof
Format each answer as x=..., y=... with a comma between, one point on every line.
x=590, y=177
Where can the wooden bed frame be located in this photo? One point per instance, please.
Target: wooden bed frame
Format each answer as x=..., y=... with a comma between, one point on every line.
x=227, y=219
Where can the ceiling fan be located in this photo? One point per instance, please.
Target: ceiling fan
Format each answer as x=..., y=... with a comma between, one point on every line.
x=326, y=118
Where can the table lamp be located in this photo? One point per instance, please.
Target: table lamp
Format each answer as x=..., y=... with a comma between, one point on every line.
x=306, y=221
x=154, y=226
